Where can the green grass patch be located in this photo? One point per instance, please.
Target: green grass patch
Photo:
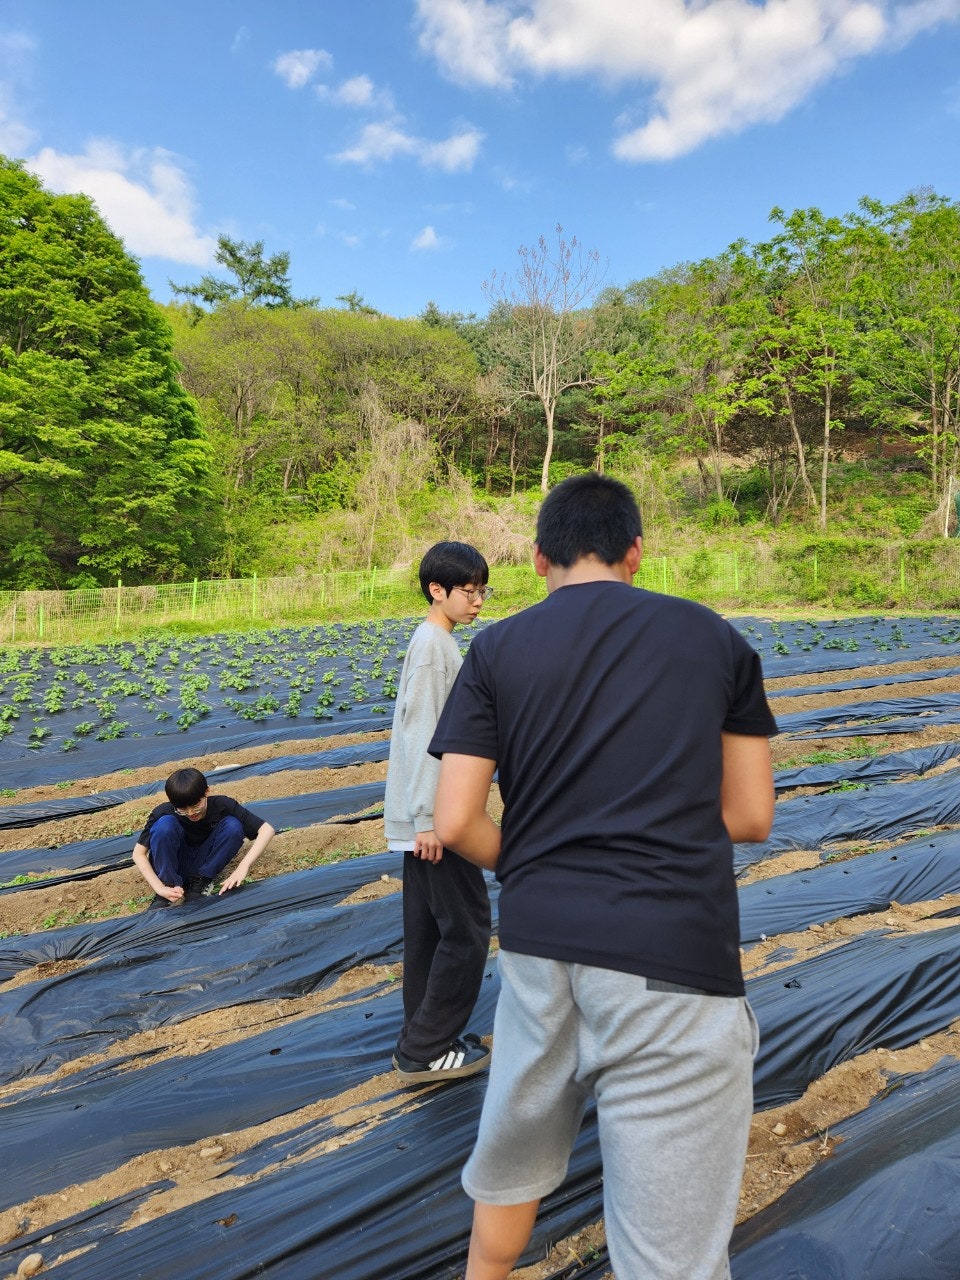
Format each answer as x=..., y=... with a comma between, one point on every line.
x=66, y=919
x=859, y=750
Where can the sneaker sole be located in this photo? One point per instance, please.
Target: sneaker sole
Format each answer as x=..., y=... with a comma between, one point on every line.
x=432, y=1076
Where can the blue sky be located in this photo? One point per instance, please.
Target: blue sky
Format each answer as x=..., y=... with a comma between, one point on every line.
x=404, y=149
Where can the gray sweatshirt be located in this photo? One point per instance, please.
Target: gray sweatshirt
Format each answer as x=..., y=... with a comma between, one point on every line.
x=429, y=670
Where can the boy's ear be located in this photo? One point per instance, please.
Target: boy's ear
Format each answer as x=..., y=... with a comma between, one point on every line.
x=540, y=562
x=436, y=591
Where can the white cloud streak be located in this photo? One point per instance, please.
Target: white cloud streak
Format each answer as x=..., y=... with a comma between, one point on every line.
x=298, y=66
x=426, y=240
x=706, y=67
x=359, y=93
x=387, y=140
x=143, y=194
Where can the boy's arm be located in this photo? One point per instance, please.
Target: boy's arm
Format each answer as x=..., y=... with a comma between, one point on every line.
x=242, y=869
x=141, y=860
x=460, y=815
x=746, y=789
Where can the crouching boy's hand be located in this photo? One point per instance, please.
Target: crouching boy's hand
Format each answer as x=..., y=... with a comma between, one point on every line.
x=242, y=869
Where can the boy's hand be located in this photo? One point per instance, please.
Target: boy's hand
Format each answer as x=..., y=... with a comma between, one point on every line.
x=427, y=846
x=233, y=881
x=172, y=892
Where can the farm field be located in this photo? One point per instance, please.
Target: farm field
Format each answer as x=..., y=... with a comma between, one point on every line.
x=206, y=1090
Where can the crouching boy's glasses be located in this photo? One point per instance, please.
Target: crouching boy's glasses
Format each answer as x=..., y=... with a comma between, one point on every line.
x=476, y=593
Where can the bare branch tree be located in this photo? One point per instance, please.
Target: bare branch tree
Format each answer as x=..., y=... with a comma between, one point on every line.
x=541, y=334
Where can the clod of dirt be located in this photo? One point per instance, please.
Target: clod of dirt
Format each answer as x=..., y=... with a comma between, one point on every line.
x=31, y=1264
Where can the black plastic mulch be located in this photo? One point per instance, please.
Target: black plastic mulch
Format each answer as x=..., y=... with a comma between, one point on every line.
x=868, y=769
x=880, y=990
x=389, y=1204
x=866, y=682
x=856, y=716
x=919, y=871
x=885, y=1205
x=884, y=812
x=34, y=769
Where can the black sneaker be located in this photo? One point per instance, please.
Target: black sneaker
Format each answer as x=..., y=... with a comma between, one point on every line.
x=198, y=886
x=464, y=1058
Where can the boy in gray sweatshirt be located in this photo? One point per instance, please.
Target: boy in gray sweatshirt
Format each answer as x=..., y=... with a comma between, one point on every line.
x=446, y=907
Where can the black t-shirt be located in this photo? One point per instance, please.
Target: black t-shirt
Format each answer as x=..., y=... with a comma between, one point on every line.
x=603, y=707
x=197, y=833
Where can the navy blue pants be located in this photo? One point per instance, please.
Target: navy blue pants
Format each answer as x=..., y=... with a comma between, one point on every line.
x=175, y=861
x=446, y=936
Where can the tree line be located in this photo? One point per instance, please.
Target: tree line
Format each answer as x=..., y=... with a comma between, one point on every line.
x=242, y=428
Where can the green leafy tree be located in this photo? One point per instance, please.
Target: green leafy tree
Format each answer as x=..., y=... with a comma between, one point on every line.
x=104, y=468
x=670, y=387
x=908, y=296
x=257, y=280
x=814, y=263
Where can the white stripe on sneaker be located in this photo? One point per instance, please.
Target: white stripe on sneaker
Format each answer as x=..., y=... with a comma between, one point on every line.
x=449, y=1061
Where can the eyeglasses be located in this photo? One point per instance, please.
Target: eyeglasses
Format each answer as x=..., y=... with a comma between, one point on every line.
x=193, y=810
x=476, y=593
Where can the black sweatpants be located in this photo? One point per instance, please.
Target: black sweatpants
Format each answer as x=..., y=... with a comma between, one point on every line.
x=446, y=938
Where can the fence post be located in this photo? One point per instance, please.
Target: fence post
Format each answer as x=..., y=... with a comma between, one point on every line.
x=663, y=564
x=193, y=601
x=373, y=582
x=119, y=589
x=253, y=596
x=40, y=620
x=816, y=569
x=736, y=574
x=903, y=573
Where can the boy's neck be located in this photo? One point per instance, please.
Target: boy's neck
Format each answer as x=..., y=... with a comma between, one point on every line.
x=436, y=615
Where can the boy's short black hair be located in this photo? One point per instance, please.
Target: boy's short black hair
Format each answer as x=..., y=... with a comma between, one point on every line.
x=588, y=515
x=452, y=564
x=185, y=788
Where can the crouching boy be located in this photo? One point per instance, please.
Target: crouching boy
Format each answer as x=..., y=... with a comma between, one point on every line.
x=189, y=840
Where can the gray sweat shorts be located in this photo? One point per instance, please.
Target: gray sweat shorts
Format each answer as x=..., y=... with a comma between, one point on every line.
x=672, y=1074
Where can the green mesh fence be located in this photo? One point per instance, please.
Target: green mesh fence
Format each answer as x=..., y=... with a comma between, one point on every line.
x=911, y=576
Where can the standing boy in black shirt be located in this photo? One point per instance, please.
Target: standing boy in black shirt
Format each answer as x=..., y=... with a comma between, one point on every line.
x=187, y=842
x=630, y=731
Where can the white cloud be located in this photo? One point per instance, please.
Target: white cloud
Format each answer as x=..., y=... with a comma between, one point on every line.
x=381, y=141
x=297, y=66
x=426, y=239
x=456, y=153
x=469, y=38
x=359, y=92
x=387, y=139
x=143, y=195
x=706, y=67
x=339, y=202
x=356, y=92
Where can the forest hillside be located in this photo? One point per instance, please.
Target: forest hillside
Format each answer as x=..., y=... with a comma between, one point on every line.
x=782, y=393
